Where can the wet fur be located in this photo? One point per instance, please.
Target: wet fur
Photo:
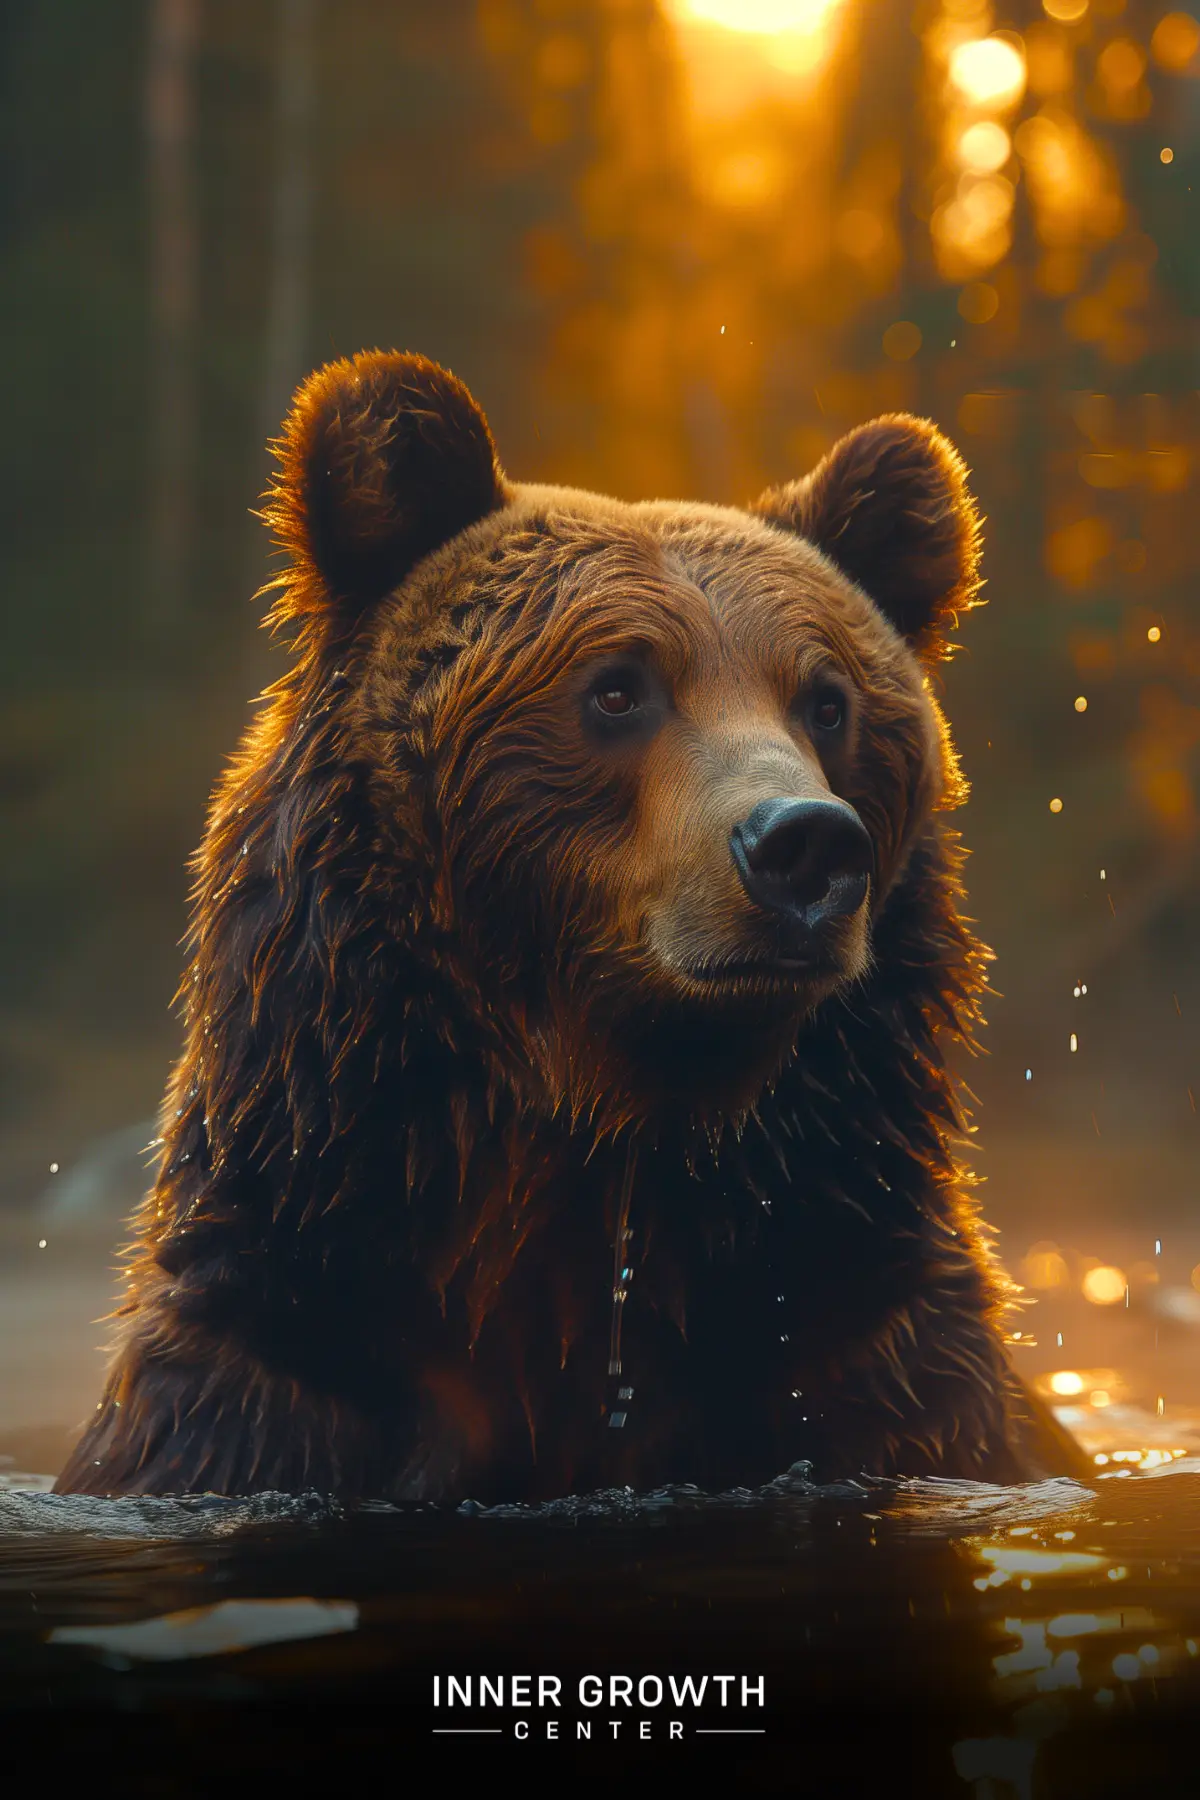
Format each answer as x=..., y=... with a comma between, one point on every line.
x=378, y=1256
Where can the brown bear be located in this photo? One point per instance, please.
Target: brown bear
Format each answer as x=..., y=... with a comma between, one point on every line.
x=576, y=950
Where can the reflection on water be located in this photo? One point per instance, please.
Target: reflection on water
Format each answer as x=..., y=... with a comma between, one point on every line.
x=1038, y=1641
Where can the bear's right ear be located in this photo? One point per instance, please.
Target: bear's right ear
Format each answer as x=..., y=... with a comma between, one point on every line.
x=383, y=458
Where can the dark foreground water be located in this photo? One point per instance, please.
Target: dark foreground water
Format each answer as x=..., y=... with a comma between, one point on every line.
x=926, y=1638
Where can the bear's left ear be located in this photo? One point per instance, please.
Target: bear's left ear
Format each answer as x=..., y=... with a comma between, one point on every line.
x=383, y=458
x=890, y=506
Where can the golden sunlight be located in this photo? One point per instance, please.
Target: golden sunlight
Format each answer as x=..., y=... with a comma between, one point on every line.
x=983, y=147
x=792, y=35
x=1104, y=1286
x=762, y=17
x=988, y=72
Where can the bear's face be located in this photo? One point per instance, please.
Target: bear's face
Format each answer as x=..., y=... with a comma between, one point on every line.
x=648, y=771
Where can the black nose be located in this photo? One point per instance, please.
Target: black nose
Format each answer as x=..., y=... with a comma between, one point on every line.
x=811, y=859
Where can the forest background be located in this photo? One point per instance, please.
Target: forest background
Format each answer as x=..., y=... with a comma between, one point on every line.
x=674, y=249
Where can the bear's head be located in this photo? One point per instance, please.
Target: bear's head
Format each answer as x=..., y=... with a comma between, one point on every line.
x=639, y=777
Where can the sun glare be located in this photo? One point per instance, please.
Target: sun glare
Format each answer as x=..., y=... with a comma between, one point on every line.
x=763, y=18
x=988, y=72
x=792, y=36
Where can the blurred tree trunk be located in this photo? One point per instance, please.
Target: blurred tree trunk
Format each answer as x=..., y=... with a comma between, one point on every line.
x=288, y=317
x=170, y=124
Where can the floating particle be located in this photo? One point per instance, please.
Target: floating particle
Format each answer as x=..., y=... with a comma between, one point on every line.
x=1160, y=1405
x=1029, y=1074
x=1103, y=875
x=722, y=331
x=54, y=1168
x=1166, y=154
x=41, y=1243
x=1056, y=806
x=1060, y=1340
x=1081, y=703
x=1158, y=1246
x=1154, y=633
x=1074, y=1043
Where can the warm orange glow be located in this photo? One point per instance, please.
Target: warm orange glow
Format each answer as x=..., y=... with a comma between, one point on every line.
x=1120, y=67
x=1066, y=1382
x=1071, y=184
x=1007, y=1561
x=1154, y=634
x=1045, y=1267
x=744, y=180
x=861, y=234
x=1166, y=154
x=978, y=303
x=1175, y=42
x=1066, y=12
x=1104, y=1286
x=792, y=34
x=984, y=147
x=760, y=17
x=1056, y=805
x=1101, y=1397
x=988, y=72
x=973, y=230
x=1081, y=703
x=902, y=340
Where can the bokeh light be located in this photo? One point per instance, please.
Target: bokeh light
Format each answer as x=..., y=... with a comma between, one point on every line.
x=983, y=147
x=902, y=340
x=1104, y=1285
x=1175, y=42
x=1044, y=1266
x=988, y=72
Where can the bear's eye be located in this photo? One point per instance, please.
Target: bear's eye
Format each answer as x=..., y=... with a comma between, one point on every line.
x=828, y=709
x=614, y=702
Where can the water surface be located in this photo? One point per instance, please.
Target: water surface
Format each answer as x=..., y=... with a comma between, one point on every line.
x=927, y=1637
